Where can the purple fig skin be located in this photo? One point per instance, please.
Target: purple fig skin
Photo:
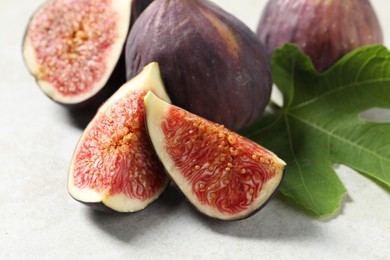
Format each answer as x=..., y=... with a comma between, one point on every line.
x=137, y=7
x=325, y=30
x=211, y=63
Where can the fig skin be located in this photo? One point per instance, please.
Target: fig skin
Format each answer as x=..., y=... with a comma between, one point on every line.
x=211, y=63
x=325, y=30
x=222, y=174
x=115, y=75
x=137, y=7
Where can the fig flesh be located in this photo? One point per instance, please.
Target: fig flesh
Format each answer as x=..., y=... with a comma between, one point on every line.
x=74, y=48
x=325, y=30
x=211, y=63
x=221, y=173
x=114, y=164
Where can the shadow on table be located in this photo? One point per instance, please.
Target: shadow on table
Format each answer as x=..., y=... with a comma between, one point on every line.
x=81, y=117
x=126, y=227
x=277, y=220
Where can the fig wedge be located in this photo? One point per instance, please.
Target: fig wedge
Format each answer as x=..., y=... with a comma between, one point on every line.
x=221, y=173
x=114, y=165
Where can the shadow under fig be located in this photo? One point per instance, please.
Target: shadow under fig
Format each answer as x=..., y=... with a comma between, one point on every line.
x=277, y=220
x=128, y=226
x=80, y=118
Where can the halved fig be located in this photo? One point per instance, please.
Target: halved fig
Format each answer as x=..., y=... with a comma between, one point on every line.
x=114, y=163
x=74, y=48
x=223, y=174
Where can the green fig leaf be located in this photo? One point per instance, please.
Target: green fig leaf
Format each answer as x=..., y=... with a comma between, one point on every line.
x=320, y=124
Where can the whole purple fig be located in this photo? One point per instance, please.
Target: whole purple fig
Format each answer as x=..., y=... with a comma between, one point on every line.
x=324, y=29
x=211, y=63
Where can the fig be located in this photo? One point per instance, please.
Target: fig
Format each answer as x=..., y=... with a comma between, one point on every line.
x=211, y=63
x=325, y=30
x=221, y=173
x=75, y=48
x=114, y=165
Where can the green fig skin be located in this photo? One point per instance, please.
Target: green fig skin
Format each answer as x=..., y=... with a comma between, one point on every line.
x=211, y=63
x=325, y=30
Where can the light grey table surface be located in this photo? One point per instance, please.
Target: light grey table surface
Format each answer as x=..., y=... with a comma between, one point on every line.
x=39, y=220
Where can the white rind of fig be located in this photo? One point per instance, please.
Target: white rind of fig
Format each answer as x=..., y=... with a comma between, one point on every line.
x=122, y=8
x=156, y=113
x=149, y=80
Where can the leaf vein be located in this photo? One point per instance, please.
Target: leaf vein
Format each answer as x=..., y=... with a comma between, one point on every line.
x=334, y=135
x=364, y=65
x=342, y=87
x=290, y=142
